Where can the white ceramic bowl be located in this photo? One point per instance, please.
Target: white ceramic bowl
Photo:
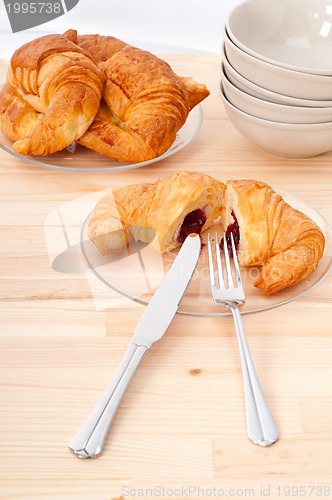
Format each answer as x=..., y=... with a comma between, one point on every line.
x=255, y=90
x=272, y=111
x=277, y=79
x=294, y=34
x=283, y=139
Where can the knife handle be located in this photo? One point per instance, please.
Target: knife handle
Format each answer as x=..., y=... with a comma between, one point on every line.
x=89, y=441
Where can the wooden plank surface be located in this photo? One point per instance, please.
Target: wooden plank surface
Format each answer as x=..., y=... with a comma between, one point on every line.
x=182, y=422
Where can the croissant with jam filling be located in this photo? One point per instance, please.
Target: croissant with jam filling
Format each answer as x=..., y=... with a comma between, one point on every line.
x=267, y=231
x=173, y=207
x=270, y=233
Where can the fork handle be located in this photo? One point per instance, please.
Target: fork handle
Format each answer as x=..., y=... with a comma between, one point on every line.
x=260, y=424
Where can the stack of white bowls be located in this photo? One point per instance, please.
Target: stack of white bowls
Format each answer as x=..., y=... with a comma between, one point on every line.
x=276, y=75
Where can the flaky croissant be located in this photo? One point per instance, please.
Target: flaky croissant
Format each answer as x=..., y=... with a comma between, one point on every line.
x=171, y=207
x=53, y=95
x=267, y=231
x=270, y=233
x=144, y=102
x=101, y=48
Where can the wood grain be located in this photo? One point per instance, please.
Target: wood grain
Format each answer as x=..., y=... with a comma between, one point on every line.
x=182, y=421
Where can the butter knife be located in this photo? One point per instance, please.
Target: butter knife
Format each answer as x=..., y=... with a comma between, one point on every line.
x=90, y=439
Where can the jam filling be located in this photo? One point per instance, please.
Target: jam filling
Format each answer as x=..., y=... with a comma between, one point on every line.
x=235, y=230
x=192, y=223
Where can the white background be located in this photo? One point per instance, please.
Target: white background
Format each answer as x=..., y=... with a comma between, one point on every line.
x=164, y=25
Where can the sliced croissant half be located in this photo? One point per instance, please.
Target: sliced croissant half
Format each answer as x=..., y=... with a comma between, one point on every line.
x=172, y=207
x=270, y=233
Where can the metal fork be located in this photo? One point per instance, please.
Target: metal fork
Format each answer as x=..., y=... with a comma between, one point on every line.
x=260, y=424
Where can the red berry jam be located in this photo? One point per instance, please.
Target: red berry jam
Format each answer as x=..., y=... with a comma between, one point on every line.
x=192, y=223
x=235, y=230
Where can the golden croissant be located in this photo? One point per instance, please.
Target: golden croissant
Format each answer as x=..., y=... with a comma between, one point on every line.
x=52, y=95
x=103, y=47
x=172, y=207
x=144, y=102
x=267, y=231
x=270, y=233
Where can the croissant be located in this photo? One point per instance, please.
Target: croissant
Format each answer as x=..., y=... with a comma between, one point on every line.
x=167, y=210
x=53, y=95
x=103, y=47
x=270, y=233
x=267, y=231
x=144, y=102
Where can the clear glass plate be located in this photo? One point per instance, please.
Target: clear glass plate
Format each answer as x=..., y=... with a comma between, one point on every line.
x=137, y=272
x=80, y=159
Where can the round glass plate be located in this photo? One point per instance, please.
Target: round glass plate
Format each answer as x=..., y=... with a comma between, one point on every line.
x=80, y=159
x=137, y=271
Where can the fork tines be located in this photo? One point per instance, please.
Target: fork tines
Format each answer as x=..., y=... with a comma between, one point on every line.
x=227, y=264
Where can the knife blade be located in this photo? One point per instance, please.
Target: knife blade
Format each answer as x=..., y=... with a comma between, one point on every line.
x=90, y=439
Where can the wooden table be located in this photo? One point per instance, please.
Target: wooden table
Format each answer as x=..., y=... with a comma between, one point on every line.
x=182, y=421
